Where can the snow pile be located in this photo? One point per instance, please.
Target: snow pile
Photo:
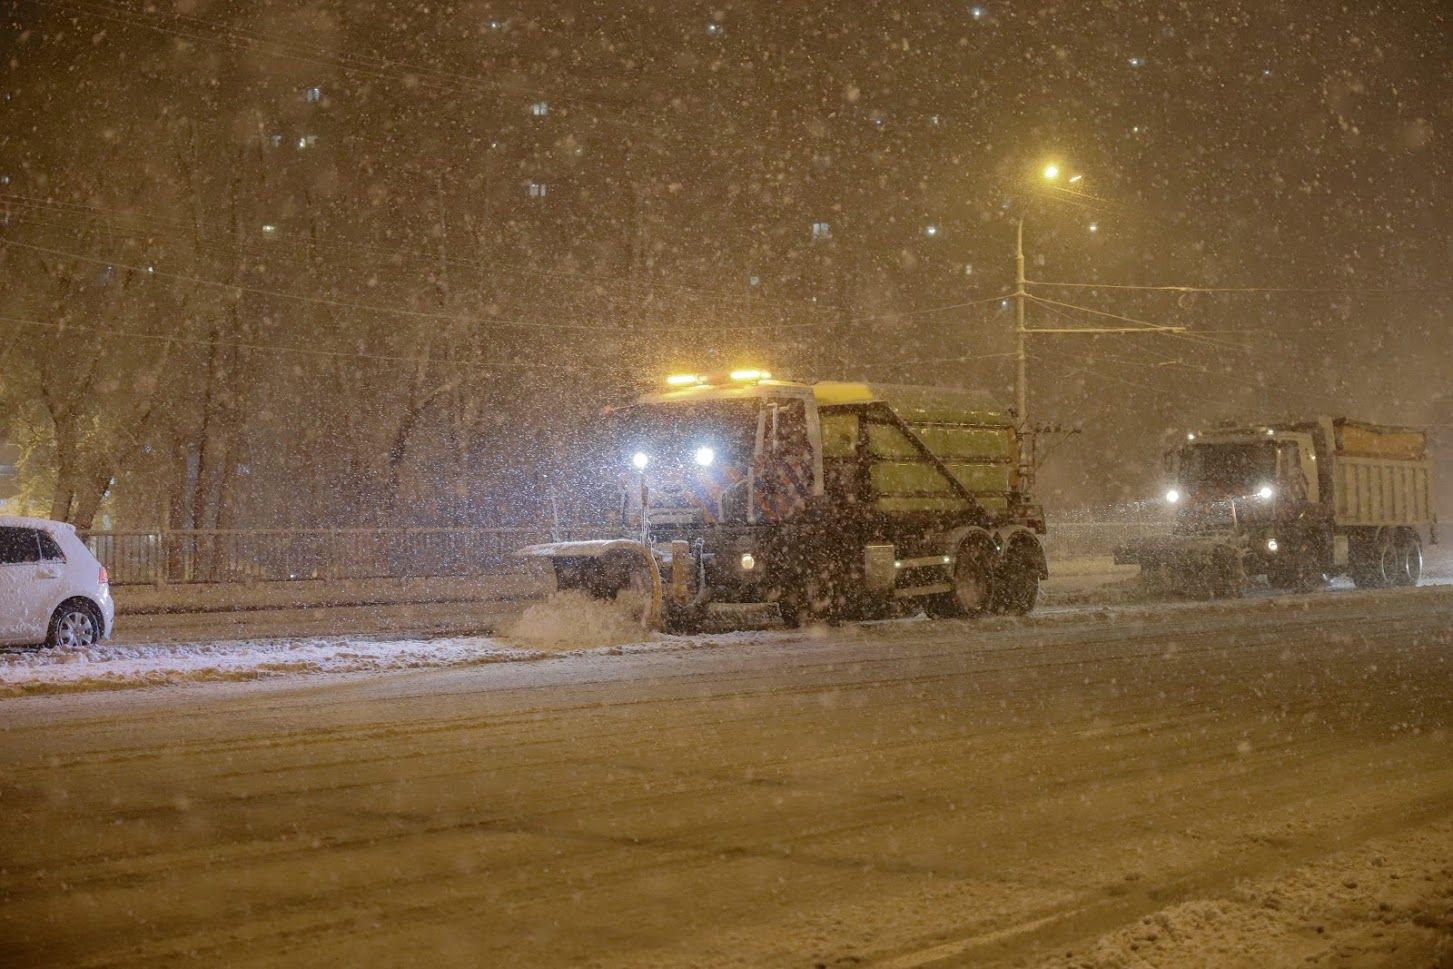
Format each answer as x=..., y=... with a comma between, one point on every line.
x=573, y=620
x=110, y=666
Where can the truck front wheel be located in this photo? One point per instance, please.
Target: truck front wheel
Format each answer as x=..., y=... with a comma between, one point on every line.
x=1377, y=561
x=973, y=583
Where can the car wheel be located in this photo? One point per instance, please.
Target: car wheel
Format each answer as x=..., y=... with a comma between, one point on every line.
x=75, y=624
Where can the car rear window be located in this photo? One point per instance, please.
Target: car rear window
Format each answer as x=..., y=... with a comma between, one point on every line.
x=18, y=545
x=50, y=550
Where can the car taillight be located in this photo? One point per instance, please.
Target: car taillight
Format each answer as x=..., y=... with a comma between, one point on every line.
x=103, y=578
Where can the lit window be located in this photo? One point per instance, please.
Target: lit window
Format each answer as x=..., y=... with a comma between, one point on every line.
x=931, y=230
x=976, y=12
x=313, y=95
x=538, y=190
x=540, y=108
x=968, y=269
x=754, y=280
x=1137, y=61
x=307, y=141
x=714, y=29
x=269, y=230
x=821, y=230
x=277, y=141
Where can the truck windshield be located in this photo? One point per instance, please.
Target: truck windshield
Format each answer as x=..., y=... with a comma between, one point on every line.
x=1227, y=469
x=717, y=433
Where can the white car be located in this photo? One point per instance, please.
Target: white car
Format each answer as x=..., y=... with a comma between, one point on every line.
x=52, y=589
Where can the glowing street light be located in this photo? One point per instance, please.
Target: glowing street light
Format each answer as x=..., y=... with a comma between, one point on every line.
x=1051, y=172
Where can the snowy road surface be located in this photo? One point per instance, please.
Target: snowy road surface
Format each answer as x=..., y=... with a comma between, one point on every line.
x=1260, y=783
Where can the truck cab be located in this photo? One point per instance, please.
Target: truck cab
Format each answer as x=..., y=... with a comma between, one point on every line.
x=742, y=493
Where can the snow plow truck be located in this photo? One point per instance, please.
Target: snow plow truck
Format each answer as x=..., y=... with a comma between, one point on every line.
x=742, y=495
x=1297, y=502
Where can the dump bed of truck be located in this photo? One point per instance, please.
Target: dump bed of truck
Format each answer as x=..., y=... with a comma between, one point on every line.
x=976, y=441
x=1380, y=475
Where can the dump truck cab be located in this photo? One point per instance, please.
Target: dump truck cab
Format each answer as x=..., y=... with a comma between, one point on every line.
x=1253, y=484
x=742, y=494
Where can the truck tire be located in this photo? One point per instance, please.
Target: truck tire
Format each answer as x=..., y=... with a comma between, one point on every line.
x=1408, y=558
x=973, y=582
x=1375, y=562
x=1016, y=585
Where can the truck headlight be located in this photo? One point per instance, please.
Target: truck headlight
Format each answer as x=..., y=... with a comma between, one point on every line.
x=639, y=460
x=1172, y=496
x=705, y=456
x=749, y=562
x=1265, y=491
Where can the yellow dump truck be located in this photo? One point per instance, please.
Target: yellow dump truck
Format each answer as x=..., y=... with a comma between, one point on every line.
x=1295, y=502
x=741, y=494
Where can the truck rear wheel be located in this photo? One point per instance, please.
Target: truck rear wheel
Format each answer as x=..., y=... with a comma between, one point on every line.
x=1408, y=558
x=1016, y=586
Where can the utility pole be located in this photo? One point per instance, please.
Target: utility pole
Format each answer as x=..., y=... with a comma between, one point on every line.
x=1021, y=338
x=1021, y=378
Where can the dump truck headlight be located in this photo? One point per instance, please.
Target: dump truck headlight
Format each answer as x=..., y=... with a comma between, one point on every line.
x=705, y=456
x=1172, y=496
x=639, y=460
x=1271, y=545
x=1265, y=491
x=749, y=562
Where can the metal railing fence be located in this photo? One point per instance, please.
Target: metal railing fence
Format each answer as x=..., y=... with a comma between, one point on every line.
x=340, y=554
x=326, y=554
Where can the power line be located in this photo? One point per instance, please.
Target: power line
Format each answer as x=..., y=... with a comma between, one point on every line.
x=1180, y=332
x=1246, y=289
x=1165, y=360
x=1139, y=324
x=932, y=309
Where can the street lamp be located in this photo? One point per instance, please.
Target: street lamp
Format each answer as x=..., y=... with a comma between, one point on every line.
x=1050, y=172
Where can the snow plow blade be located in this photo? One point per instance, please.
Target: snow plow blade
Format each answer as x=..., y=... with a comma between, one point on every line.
x=604, y=568
x=1201, y=567
x=1167, y=550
